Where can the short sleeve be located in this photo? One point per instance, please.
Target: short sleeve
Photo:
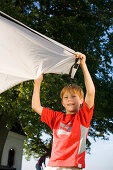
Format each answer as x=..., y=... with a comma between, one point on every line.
x=85, y=114
x=49, y=117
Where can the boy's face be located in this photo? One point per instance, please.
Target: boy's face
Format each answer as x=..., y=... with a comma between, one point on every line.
x=71, y=102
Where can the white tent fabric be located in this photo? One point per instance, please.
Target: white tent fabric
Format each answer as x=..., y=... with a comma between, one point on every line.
x=25, y=54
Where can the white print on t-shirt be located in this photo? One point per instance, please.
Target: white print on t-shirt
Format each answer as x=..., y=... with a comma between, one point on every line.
x=64, y=129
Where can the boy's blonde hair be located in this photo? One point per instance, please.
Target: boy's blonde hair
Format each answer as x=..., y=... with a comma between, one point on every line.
x=72, y=88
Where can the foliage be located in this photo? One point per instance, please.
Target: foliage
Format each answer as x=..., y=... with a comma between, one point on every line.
x=83, y=25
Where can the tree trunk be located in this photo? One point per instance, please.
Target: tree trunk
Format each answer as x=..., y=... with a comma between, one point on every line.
x=3, y=133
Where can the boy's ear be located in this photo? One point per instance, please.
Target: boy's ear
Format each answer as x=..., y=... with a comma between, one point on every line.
x=62, y=103
x=81, y=101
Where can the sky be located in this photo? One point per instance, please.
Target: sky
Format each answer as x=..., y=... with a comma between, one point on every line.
x=101, y=157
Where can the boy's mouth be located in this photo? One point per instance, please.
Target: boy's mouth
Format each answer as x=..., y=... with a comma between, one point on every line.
x=71, y=104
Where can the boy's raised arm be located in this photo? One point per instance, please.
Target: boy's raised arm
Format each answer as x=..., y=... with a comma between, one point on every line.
x=36, y=105
x=90, y=88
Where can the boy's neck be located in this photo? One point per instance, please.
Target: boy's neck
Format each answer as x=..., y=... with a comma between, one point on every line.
x=70, y=113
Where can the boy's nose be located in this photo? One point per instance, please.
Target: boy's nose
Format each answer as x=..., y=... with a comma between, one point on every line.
x=69, y=98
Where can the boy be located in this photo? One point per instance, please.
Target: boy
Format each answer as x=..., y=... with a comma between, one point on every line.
x=70, y=130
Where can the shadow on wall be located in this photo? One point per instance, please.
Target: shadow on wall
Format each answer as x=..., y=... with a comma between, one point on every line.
x=10, y=161
x=6, y=168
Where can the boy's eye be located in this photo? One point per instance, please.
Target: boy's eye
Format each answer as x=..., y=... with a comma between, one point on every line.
x=73, y=96
x=65, y=97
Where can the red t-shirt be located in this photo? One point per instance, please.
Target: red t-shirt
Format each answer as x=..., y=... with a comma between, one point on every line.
x=69, y=136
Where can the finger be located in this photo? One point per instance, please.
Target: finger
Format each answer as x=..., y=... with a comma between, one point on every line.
x=78, y=54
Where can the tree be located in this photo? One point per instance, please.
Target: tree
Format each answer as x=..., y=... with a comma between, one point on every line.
x=82, y=25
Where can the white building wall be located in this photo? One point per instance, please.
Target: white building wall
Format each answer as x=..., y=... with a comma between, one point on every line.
x=14, y=141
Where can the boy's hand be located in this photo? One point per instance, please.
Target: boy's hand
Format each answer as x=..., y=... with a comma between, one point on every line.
x=82, y=58
x=39, y=79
